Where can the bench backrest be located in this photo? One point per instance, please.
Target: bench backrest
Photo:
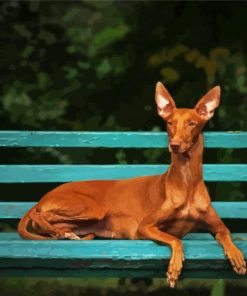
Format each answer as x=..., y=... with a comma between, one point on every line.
x=66, y=173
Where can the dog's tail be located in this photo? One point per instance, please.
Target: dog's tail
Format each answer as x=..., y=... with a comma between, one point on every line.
x=24, y=233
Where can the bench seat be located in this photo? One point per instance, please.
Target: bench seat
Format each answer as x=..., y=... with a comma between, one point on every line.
x=113, y=258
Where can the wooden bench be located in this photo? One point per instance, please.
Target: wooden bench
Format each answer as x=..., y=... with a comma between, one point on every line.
x=107, y=258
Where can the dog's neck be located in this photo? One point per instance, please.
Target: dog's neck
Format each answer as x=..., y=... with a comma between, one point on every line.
x=187, y=167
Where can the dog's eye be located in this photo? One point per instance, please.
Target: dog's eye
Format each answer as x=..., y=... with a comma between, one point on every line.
x=192, y=123
x=169, y=122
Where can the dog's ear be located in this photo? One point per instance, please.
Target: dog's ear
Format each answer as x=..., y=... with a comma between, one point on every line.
x=164, y=101
x=208, y=103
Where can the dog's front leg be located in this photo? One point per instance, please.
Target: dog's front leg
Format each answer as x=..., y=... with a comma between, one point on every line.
x=216, y=226
x=151, y=231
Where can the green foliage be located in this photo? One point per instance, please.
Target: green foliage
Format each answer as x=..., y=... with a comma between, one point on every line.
x=218, y=288
x=93, y=65
x=106, y=37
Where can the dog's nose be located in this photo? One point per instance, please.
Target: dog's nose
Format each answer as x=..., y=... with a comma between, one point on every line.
x=175, y=146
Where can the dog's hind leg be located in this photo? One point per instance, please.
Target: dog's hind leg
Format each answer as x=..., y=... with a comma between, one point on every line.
x=41, y=219
x=59, y=218
x=56, y=230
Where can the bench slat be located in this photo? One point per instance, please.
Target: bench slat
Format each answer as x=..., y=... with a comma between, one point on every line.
x=131, y=250
x=108, y=249
x=68, y=173
x=112, y=139
x=234, y=210
x=134, y=257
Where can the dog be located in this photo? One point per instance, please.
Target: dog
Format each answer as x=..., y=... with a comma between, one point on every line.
x=162, y=208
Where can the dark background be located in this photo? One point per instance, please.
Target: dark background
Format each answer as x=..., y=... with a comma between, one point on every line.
x=93, y=65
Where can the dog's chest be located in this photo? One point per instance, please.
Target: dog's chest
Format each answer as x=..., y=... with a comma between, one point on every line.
x=184, y=220
x=188, y=211
x=188, y=202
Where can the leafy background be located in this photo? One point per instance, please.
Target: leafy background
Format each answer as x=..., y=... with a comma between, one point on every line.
x=93, y=65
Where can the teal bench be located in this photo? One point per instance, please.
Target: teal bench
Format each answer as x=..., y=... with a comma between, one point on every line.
x=108, y=258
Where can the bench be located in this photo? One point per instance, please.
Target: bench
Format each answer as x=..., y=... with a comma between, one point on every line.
x=113, y=258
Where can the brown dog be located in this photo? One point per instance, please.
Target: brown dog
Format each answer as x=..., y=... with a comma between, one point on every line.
x=162, y=208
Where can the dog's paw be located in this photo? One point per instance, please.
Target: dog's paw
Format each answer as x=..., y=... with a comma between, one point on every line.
x=175, y=267
x=71, y=235
x=237, y=260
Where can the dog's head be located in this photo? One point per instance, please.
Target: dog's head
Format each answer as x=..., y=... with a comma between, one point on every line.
x=183, y=124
